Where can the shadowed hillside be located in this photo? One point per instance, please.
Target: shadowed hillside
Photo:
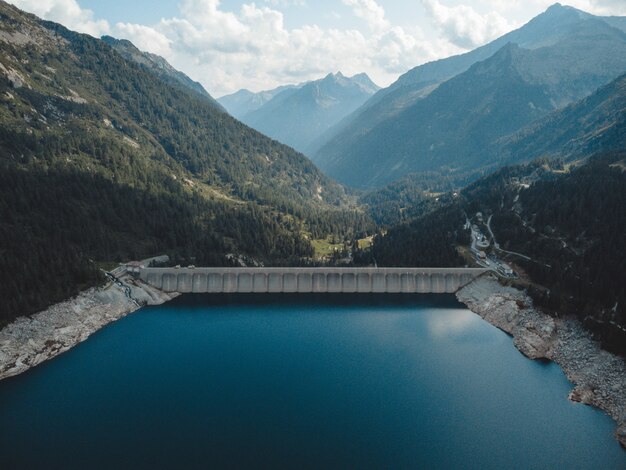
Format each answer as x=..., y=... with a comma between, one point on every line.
x=103, y=159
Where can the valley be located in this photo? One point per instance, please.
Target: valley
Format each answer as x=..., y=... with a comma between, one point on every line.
x=95, y=173
x=509, y=157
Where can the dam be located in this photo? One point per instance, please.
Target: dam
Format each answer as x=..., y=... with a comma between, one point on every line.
x=307, y=280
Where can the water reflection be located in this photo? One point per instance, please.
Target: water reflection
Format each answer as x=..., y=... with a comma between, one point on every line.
x=452, y=323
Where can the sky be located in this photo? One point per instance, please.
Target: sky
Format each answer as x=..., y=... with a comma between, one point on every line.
x=232, y=44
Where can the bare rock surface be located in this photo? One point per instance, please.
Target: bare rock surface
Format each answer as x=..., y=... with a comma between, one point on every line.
x=28, y=341
x=599, y=377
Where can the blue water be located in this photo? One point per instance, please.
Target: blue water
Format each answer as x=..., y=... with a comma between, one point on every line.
x=300, y=382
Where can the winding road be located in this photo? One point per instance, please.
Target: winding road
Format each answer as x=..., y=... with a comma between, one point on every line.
x=497, y=246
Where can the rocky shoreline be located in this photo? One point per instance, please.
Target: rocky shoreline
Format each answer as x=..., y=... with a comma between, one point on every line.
x=29, y=341
x=599, y=377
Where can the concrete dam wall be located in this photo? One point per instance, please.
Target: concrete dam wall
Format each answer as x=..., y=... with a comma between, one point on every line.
x=308, y=280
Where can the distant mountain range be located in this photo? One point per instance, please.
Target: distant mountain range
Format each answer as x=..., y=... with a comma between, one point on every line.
x=447, y=116
x=244, y=101
x=299, y=115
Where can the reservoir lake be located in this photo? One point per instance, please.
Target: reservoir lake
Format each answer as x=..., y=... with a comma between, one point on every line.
x=300, y=381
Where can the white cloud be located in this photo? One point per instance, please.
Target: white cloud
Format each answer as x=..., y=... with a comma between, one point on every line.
x=370, y=12
x=610, y=7
x=286, y=3
x=145, y=38
x=67, y=12
x=253, y=48
x=595, y=7
x=464, y=27
x=598, y=7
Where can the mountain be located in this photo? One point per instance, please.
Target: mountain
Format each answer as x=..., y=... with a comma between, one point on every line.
x=159, y=66
x=297, y=116
x=556, y=23
x=568, y=222
x=618, y=22
x=242, y=102
x=426, y=122
x=597, y=123
x=104, y=160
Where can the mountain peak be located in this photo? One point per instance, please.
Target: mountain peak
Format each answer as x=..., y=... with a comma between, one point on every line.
x=360, y=80
x=334, y=76
x=365, y=82
x=555, y=6
x=360, y=75
x=563, y=11
x=300, y=115
x=508, y=49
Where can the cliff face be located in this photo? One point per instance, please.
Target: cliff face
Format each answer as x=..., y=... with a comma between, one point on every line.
x=599, y=377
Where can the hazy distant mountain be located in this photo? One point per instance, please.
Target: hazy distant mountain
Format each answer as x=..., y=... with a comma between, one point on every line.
x=554, y=24
x=548, y=28
x=245, y=101
x=421, y=123
x=298, y=115
x=159, y=66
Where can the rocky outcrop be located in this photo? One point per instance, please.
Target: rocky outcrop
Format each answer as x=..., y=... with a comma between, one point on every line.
x=599, y=377
x=511, y=310
x=29, y=341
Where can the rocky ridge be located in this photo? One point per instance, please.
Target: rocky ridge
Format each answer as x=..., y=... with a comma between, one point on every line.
x=29, y=341
x=599, y=377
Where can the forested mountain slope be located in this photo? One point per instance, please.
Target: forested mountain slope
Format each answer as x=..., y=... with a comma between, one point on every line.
x=159, y=66
x=594, y=124
x=450, y=126
x=569, y=223
x=104, y=160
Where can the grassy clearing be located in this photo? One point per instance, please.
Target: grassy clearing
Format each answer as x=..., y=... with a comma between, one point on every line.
x=365, y=243
x=324, y=248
